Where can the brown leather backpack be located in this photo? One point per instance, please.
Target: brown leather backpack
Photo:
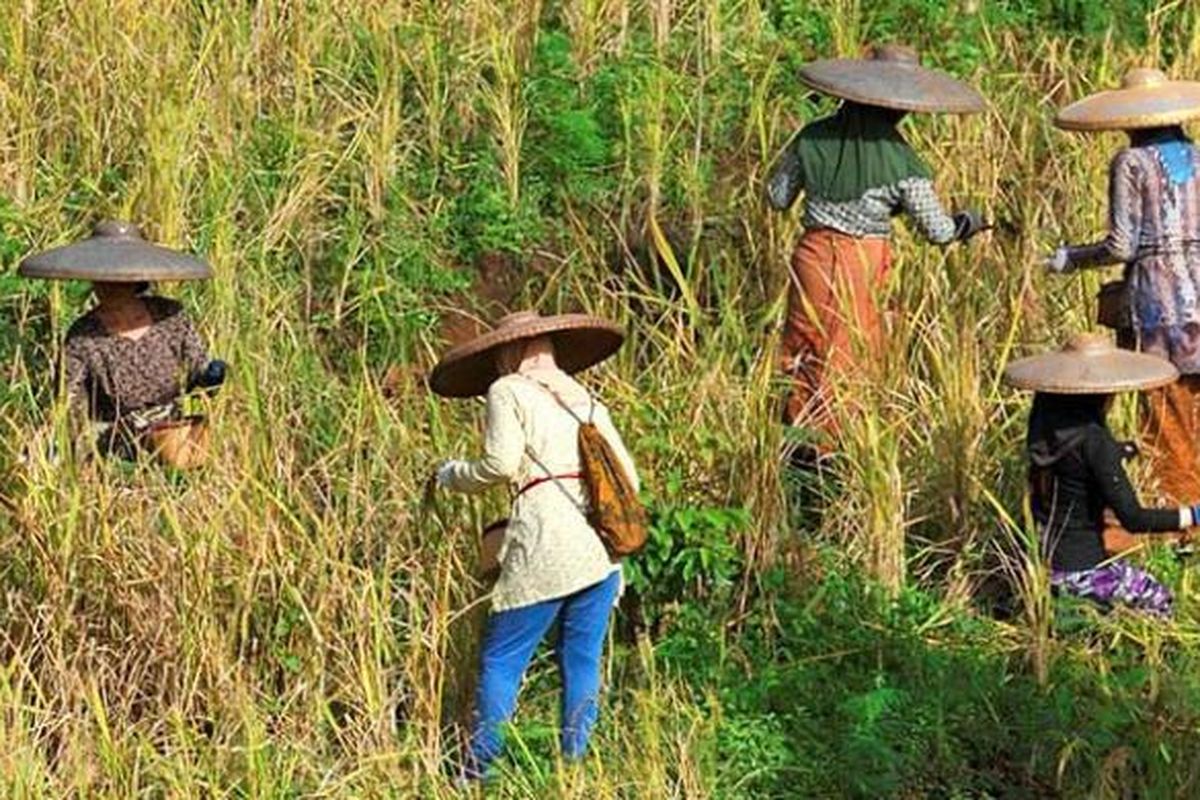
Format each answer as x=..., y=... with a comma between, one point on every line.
x=614, y=508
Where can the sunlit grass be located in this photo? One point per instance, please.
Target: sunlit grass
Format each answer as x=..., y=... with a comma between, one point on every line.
x=286, y=621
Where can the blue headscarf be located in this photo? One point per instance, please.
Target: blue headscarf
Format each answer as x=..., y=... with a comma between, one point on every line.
x=1174, y=150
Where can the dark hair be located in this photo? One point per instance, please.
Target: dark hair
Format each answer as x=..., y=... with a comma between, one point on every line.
x=1056, y=423
x=894, y=116
x=1140, y=137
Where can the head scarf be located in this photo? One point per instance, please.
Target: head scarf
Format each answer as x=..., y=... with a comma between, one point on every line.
x=1058, y=422
x=1174, y=150
x=1057, y=426
x=856, y=149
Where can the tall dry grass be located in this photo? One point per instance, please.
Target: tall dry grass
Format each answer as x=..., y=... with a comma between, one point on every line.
x=287, y=621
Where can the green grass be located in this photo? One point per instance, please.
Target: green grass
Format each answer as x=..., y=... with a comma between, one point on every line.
x=286, y=623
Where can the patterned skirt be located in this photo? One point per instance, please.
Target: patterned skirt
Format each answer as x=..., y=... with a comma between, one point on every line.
x=1116, y=582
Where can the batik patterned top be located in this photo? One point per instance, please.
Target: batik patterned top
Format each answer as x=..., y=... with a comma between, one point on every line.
x=1154, y=228
x=112, y=375
x=550, y=549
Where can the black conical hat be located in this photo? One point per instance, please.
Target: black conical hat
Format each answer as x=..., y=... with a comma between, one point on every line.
x=115, y=253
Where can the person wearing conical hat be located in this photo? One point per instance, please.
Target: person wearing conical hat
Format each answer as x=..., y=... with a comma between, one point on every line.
x=1077, y=471
x=128, y=359
x=857, y=172
x=553, y=565
x=1154, y=231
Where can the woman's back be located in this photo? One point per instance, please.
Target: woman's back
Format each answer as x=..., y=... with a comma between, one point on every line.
x=1156, y=192
x=550, y=406
x=1066, y=501
x=1077, y=471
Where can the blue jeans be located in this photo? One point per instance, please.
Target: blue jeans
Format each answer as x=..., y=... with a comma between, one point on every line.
x=509, y=644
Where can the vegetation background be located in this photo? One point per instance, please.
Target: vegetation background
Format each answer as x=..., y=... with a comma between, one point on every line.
x=367, y=179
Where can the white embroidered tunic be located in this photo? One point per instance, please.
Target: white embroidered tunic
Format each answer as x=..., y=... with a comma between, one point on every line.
x=549, y=550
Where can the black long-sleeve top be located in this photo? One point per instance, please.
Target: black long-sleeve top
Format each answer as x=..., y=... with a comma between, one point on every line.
x=1071, y=492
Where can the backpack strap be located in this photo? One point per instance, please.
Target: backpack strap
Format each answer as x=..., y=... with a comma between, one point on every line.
x=549, y=476
x=563, y=404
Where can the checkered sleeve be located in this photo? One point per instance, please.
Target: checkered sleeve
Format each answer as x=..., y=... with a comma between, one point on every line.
x=786, y=178
x=921, y=203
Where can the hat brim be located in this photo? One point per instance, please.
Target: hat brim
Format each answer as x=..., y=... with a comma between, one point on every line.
x=890, y=84
x=580, y=342
x=114, y=261
x=1132, y=109
x=1065, y=372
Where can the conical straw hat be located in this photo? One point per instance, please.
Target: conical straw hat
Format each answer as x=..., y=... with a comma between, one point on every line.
x=580, y=341
x=891, y=76
x=1090, y=364
x=116, y=253
x=1146, y=99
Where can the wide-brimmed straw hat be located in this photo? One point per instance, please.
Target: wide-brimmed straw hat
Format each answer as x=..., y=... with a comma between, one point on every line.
x=115, y=253
x=1146, y=99
x=580, y=341
x=1090, y=364
x=891, y=76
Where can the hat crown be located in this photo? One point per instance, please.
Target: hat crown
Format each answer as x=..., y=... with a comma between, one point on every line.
x=895, y=53
x=517, y=318
x=116, y=229
x=1143, y=77
x=1088, y=344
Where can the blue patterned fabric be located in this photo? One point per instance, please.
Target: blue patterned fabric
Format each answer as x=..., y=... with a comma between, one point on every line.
x=1176, y=158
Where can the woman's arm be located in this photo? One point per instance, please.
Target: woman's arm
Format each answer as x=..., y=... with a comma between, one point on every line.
x=503, y=446
x=74, y=376
x=1124, y=221
x=920, y=202
x=193, y=354
x=1103, y=455
x=786, y=178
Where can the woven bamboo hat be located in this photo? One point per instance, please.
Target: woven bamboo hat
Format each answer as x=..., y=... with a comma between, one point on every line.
x=891, y=76
x=115, y=253
x=1146, y=99
x=1090, y=364
x=580, y=341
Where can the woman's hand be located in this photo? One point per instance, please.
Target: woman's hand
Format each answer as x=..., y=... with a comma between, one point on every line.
x=1056, y=262
x=445, y=473
x=968, y=223
x=212, y=376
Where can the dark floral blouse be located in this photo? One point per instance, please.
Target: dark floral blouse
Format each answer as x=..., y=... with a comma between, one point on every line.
x=113, y=376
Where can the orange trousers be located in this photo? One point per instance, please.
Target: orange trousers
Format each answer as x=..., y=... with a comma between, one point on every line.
x=833, y=319
x=1170, y=423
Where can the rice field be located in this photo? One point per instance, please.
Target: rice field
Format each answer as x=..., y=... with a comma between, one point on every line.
x=370, y=179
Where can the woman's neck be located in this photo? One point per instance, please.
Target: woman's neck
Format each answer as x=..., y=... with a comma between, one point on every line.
x=1148, y=136
x=125, y=315
x=538, y=362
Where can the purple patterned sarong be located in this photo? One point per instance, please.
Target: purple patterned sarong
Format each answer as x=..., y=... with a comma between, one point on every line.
x=1116, y=582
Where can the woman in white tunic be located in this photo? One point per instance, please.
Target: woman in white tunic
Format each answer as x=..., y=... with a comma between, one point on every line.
x=553, y=566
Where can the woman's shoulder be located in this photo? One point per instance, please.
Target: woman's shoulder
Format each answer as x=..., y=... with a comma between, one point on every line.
x=508, y=387
x=87, y=326
x=819, y=128
x=531, y=388
x=1099, y=440
x=164, y=308
x=1131, y=159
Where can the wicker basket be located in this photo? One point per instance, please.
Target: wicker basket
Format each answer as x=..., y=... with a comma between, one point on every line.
x=1112, y=306
x=489, y=550
x=179, y=443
